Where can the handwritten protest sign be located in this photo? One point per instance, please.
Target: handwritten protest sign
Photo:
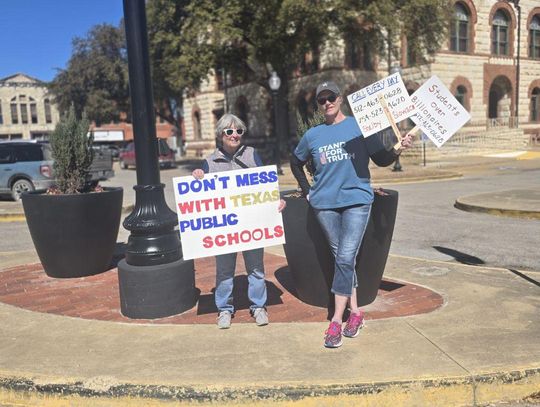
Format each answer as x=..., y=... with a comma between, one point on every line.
x=228, y=211
x=439, y=114
x=367, y=108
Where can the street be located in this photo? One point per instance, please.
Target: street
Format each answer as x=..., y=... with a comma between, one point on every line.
x=428, y=226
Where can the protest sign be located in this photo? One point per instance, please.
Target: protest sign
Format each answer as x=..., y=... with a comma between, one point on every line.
x=370, y=113
x=229, y=211
x=439, y=114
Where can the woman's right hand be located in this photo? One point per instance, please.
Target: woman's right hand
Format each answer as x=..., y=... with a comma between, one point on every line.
x=198, y=173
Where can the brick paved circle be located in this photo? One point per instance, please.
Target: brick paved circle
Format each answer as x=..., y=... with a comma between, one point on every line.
x=97, y=297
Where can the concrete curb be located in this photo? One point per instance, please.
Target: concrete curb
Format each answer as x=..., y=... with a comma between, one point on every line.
x=20, y=217
x=472, y=389
x=513, y=213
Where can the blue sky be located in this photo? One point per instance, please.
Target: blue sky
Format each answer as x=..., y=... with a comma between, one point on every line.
x=37, y=34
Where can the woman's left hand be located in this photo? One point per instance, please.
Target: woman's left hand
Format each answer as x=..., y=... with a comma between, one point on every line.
x=407, y=141
x=282, y=205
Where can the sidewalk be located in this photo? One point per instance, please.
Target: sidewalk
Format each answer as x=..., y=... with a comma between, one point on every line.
x=480, y=346
x=439, y=334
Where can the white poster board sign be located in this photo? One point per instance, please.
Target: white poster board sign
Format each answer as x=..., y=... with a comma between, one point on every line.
x=367, y=109
x=439, y=114
x=229, y=211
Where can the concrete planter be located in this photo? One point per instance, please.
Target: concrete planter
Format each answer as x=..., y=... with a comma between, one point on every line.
x=312, y=264
x=74, y=235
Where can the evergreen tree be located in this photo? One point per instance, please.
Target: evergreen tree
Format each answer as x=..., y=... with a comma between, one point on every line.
x=71, y=147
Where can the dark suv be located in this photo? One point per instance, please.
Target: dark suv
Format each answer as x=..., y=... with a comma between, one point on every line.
x=24, y=166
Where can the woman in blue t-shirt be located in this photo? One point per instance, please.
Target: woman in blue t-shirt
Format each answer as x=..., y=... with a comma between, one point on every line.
x=341, y=196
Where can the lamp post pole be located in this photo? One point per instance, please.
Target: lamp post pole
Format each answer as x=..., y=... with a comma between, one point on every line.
x=274, y=83
x=154, y=280
x=392, y=70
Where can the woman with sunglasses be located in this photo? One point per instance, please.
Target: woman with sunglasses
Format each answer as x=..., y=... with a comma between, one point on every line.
x=341, y=196
x=231, y=154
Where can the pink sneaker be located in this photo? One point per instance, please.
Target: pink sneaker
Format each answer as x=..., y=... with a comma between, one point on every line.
x=333, y=335
x=354, y=324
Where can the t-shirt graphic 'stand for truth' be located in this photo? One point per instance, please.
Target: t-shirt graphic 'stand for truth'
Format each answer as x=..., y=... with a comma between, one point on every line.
x=334, y=152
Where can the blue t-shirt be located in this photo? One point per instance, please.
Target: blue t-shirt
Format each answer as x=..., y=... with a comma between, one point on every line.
x=341, y=165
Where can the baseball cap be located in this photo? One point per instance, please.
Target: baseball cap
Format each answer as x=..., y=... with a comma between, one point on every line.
x=328, y=85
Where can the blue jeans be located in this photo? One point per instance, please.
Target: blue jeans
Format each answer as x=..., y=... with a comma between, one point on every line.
x=344, y=229
x=225, y=268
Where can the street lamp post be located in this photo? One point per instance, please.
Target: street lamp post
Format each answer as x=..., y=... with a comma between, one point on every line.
x=274, y=83
x=154, y=280
x=392, y=70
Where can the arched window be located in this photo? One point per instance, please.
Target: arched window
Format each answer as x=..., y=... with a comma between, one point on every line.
x=47, y=105
x=460, y=28
x=535, y=105
x=500, y=33
x=461, y=94
x=534, y=38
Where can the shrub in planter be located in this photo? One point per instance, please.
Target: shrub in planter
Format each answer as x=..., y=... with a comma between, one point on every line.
x=73, y=225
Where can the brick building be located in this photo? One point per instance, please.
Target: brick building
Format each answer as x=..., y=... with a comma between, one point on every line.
x=478, y=63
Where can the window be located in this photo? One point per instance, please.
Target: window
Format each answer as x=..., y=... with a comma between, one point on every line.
x=461, y=94
x=197, y=131
x=6, y=154
x=33, y=113
x=1, y=117
x=459, y=29
x=14, y=113
x=499, y=33
x=357, y=54
x=411, y=56
x=534, y=38
x=24, y=113
x=310, y=62
x=535, y=105
x=48, y=116
x=241, y=109
x=353, y=55
x=30, y=152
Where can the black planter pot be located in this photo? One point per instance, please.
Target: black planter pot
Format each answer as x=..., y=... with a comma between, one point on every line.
x=74, y=235
x=311, y=262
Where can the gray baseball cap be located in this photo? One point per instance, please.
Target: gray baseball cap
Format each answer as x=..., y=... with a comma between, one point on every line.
x=328, y=85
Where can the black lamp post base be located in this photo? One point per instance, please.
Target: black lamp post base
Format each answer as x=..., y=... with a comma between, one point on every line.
x=149, y=292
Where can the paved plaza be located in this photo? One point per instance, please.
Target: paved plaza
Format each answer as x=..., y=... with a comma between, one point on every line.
x=439, y=333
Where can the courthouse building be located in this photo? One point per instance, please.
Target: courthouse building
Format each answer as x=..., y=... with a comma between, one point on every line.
x=496, y=80
x=26, y=109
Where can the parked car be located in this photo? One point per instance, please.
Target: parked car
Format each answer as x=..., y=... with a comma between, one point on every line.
x=166, y=156
x=26, y=166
